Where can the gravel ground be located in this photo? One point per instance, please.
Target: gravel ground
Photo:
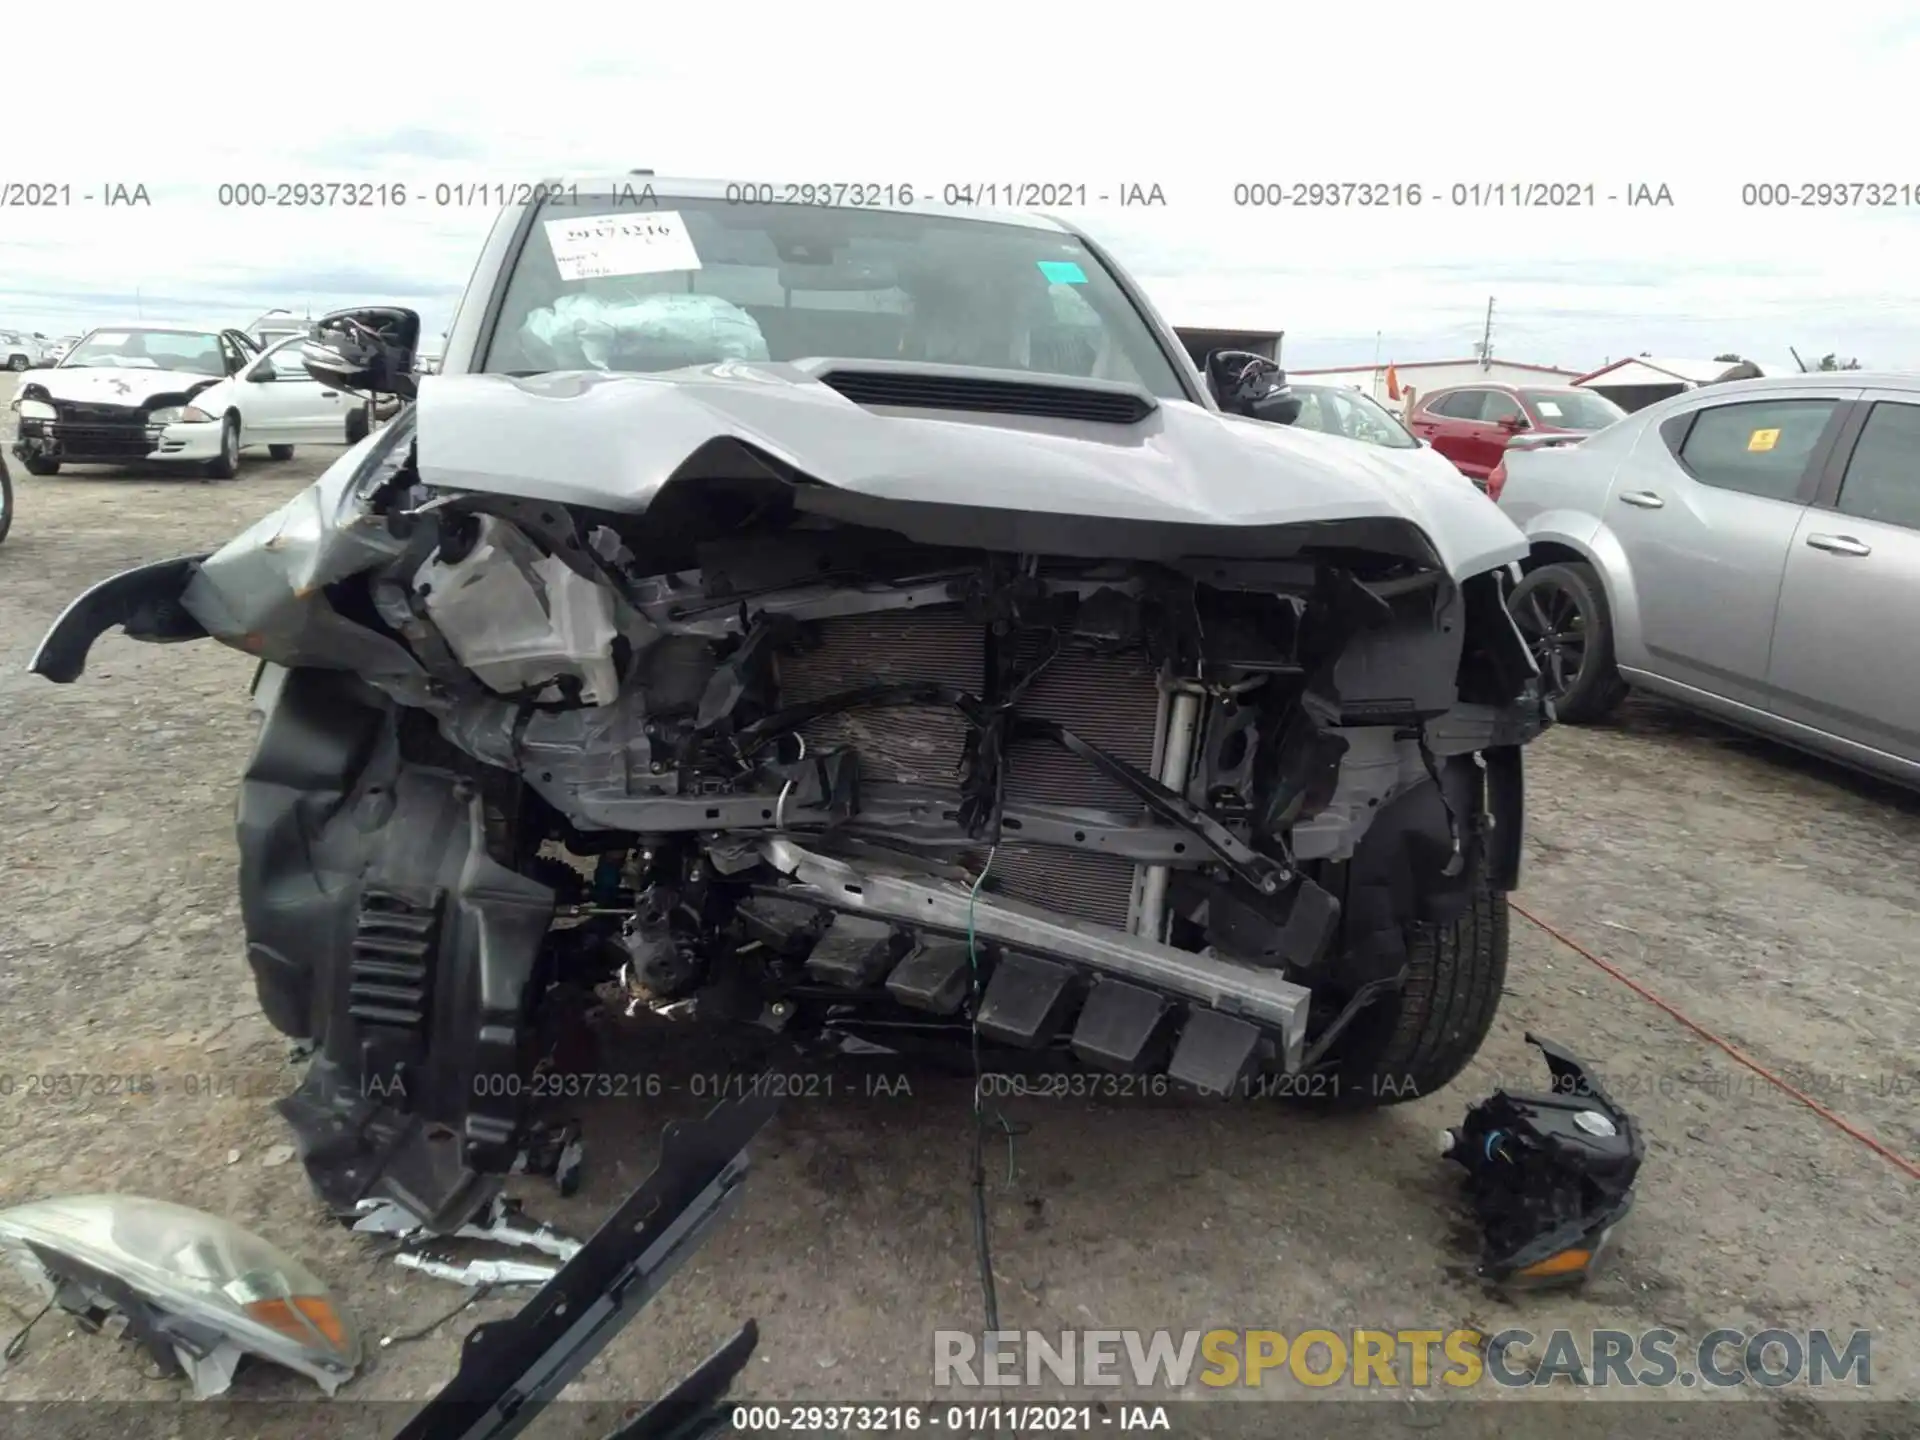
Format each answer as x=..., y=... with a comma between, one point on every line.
x=1769, y=896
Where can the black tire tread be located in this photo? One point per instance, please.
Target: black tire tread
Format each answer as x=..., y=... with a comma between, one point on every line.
x=1421, y=1037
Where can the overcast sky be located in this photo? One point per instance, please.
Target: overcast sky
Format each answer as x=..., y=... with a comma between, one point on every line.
x=1701, y=98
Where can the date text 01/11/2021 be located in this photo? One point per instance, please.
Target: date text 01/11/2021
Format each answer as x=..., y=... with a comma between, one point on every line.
x=1465, y=195
x=971, y=194
x=964, y=1419
x=648, y=1085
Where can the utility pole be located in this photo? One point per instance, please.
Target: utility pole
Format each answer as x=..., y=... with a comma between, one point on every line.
x=1486, y=339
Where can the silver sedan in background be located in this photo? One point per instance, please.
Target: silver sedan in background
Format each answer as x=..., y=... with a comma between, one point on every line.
x=1749, y=549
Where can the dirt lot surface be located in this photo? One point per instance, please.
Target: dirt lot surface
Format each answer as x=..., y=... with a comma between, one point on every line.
x=1770, y=897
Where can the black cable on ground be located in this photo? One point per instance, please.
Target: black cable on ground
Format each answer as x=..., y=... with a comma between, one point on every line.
x=480, y=1292
x=19, y=1342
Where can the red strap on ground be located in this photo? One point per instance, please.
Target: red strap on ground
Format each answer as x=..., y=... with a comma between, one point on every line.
x=1912, y=1170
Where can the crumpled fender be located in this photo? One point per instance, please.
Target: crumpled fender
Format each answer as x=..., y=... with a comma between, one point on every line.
x=263, y=592
x=144, y=601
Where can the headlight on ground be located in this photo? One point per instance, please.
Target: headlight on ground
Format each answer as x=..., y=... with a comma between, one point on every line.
x=171, y=414
x=34, y=410
x=199, y=1272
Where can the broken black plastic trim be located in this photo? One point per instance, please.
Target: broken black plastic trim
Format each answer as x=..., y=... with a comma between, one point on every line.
x=144, y=601
x=509, y=1369
x=692, y=1410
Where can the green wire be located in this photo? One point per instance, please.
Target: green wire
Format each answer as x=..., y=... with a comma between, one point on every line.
x=973, y=896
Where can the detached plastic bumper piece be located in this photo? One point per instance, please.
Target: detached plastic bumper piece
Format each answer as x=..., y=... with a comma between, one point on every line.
x=1551, y=1175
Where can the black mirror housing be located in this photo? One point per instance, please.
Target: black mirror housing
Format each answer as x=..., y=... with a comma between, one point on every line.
x=369, y=349
x=1244, y=383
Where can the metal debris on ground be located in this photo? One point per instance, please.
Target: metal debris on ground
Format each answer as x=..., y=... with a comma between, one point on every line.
x=504, y=1225
x=1551, y=1174
x=555, y=1151
x=481, y=1272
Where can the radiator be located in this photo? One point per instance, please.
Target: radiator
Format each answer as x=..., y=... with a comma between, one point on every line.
x=1111, y=701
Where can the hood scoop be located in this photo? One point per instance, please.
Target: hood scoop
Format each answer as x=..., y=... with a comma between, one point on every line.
x=943, y=387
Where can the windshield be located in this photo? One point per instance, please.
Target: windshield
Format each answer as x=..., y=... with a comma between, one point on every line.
x=693, y=282
x=1342, y=410
x=194, y=352
x=1572, y=409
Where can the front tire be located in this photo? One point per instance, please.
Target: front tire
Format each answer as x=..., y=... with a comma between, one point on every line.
x=228, y=464
x=6, y=501
x=40, y=465
x=1561, y=611
x=280, y=452
x=1421, y=1036
x=16, y=363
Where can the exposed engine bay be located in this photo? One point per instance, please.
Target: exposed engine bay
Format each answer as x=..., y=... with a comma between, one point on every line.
x=811, y=767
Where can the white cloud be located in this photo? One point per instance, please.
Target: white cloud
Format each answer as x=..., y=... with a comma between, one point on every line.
x=1701, y=98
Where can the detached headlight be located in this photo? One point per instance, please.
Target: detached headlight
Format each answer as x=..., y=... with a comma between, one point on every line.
x=210, y=1289
x=171, y=414
x=35, y=410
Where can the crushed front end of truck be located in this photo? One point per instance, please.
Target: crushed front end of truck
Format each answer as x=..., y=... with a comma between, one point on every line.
x=1182, y=799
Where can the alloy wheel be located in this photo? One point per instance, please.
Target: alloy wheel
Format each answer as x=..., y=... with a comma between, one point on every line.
x=1555, y=629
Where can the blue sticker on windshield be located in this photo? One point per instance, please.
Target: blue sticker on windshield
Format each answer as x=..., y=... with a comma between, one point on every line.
x=1062, y=272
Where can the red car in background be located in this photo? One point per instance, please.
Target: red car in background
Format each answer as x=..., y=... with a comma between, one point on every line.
x=1472, y=424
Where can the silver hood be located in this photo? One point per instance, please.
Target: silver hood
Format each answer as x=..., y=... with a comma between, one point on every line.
x=612, y=441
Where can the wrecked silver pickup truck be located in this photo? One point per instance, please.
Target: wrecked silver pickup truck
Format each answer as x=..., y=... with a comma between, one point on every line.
x=866, y=623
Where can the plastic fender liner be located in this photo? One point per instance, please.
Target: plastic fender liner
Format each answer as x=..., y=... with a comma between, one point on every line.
x=1398, y=872
x=1506, y=815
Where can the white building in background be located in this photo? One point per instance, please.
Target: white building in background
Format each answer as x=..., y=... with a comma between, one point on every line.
x=1639, y=380
x=1422, y=376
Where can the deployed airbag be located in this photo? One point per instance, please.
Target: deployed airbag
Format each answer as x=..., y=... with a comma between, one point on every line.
x=644, y=332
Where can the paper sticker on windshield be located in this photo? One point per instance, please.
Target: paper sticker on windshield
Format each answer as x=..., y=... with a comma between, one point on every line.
x=1062, y=272
x=1763, y=439
x=637, y=244
x=1546, y=407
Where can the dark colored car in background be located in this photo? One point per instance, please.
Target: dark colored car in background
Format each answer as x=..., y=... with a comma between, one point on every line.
x=1471, y=424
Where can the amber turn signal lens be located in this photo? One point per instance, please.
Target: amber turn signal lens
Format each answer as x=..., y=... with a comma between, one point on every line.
x=300, y=1317
x=1567, y=1262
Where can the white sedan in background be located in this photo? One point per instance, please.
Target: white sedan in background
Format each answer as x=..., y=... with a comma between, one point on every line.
x=20, y=350
x=154, y=393
x=1345, y=411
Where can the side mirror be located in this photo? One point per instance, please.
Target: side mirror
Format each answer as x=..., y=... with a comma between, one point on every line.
x=1244, y=383
x=1513, y=424
x=370, y=350
x=262, y=371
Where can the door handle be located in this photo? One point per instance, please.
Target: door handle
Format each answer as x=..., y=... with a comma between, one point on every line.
x=1645, y=499
x=1839, y=545
x=328, y=394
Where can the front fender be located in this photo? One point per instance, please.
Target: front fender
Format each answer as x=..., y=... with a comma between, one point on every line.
x=1591, y=539
x=143, y=601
